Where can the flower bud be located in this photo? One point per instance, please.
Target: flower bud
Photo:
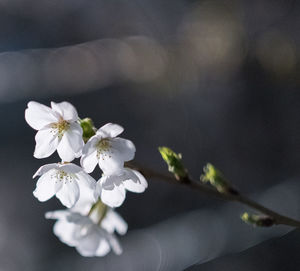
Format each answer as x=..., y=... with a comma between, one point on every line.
x=174, y=162
x=216, y=179
x=88, y=128
x=257, y=220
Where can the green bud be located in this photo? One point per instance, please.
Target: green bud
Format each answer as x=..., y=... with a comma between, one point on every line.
x=215, y=177
x=174, y=162
x=257, y=220
x=88, y=128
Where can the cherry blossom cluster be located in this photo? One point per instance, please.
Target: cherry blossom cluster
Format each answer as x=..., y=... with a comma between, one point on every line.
x=89, y=222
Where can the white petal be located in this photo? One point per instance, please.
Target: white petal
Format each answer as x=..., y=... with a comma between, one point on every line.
x=113, y=192
x=86, y=180
x=141, y=178
x=110, y=130
x=68, y=194
x=135, y=182
x=90, y=146
x=110, y=163
x=43, y=169
x=122, y=148
x=108, y=182
x=89, y=162
x=59, y=214
x=46, y=143
x=71, y=143
x=85, y=201
x=70, y=168
x=38, y=115
x=74, y=135
x=103, y=248
x=115, y=245
x=88, y=244
x=66, y=110
x=79, y=219
x=89, y=154
x=46, y=186
x=64, y=230
x=113, y=221
x=120, y=151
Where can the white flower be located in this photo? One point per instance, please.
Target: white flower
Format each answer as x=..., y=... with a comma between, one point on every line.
x=112, y=188
x=63, y=180
x=84, y=233
x=57, y=130
x=109, y=151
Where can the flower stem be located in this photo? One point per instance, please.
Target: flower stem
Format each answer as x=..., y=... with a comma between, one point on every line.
x=203, y=188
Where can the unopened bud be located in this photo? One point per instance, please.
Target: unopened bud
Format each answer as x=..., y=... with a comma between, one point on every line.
x=88, y=129
x=174, y=162
x=215, y=177
x=257, y=220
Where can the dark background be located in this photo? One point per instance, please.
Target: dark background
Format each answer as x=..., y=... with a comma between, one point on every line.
x=215, y=80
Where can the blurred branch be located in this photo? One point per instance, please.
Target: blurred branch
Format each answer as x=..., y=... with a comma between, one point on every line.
x=277, y=218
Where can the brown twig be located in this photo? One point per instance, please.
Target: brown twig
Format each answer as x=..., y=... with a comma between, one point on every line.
x=203, y=188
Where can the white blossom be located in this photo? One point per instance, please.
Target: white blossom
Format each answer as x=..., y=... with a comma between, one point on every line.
x=108, y=150
x=112, y=188
x=86, y=234
x=63, y=180
x=57, y=130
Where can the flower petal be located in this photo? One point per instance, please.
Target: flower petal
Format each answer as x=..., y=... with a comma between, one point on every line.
x=90, y=146
x=110, y=163
x=38, y=115
x=68, y=194
x=79, y=219
x=43, y=169
x=89, y=154
x=66, y=110
x=135, y=181
x=46, y=186
x=115, y=245
x=113, y=198
x=71, y=143
x=70, y=168
x=58, y=214
x=141, y=178
x=113, y=192
x=89, y=242
x=108, y=182
x=110, y=130
x=64, y=230
x=120, y=151
x=46, y=143
x=113, y=221
x=74, y=135
x=85, y=201
x=86, y=180
x=89, y=162
x=122, y=148
x=103, y=248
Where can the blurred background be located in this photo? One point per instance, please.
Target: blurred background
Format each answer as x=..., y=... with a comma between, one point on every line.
x=217, y=81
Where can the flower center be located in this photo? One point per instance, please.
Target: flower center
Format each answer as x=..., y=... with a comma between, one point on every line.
x=60, y=127
x=102, y=147
x=62, y=176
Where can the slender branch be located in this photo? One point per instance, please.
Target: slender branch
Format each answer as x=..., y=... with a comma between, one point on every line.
x=203, y=188
x=183, y=178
